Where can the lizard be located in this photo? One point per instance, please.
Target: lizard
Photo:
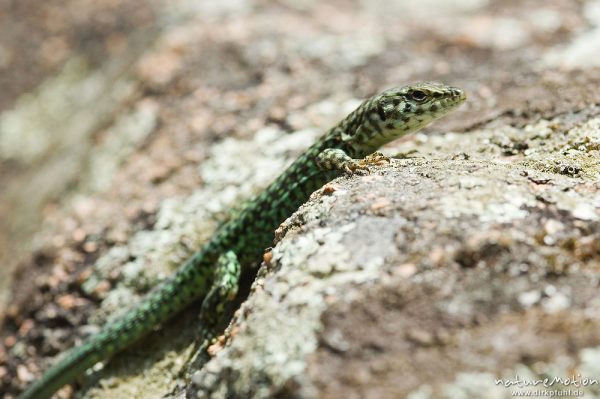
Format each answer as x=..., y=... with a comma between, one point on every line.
x=212, y=272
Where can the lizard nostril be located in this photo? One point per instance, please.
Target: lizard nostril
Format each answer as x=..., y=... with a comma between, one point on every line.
x=459, y=93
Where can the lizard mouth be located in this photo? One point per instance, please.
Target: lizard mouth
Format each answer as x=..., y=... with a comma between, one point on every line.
x=443, y=105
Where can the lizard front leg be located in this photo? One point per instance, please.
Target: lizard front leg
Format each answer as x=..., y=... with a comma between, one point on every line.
x=337, y=159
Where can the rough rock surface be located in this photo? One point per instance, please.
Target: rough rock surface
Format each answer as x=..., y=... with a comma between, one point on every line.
x=431, y=277
x=127, y=134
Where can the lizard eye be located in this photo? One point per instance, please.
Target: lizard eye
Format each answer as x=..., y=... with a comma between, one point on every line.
x=418, y=96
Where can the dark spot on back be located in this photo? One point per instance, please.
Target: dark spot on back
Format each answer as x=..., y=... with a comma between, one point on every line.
x=389, y=125
x=419, y=111
x=396, y=102
x=433, y=108
x=380, y=111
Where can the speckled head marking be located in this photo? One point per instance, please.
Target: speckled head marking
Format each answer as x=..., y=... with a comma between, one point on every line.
x=400, y=111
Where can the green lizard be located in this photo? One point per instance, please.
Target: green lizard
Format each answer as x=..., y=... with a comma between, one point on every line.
x=240, y=242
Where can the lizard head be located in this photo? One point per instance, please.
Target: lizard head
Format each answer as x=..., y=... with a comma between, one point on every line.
x=412, y=107
x=400, y=111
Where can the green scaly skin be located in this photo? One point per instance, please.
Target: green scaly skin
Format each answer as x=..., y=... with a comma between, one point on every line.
x=377, y=121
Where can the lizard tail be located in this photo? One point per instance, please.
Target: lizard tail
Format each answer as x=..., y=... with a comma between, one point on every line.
x=160, y=305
